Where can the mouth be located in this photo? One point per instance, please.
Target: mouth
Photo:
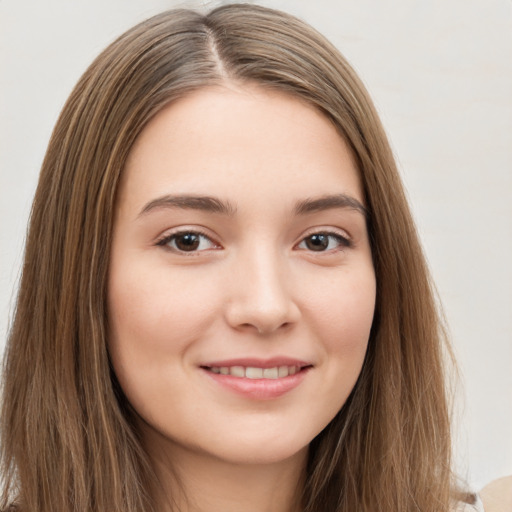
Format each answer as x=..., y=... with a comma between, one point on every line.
x=257, y=379
x=256, y=372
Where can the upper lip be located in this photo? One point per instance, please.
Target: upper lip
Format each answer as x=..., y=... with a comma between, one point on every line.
x=257, y=362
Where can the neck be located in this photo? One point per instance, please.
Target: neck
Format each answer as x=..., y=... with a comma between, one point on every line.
x=196, y=482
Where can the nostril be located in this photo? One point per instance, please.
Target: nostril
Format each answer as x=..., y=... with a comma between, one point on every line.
x=268, y=329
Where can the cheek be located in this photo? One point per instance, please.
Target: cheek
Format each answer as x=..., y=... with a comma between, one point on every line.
x=342, y=310
x=154, y=317
x=341, y=315
x=156, y=307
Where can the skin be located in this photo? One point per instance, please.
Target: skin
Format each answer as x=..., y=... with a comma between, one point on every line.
x=255, y=286
x=497, y=495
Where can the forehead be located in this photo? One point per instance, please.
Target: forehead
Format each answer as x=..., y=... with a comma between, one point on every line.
x=239, y=141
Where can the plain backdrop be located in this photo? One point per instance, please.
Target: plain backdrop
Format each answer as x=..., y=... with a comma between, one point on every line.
x=440, y=73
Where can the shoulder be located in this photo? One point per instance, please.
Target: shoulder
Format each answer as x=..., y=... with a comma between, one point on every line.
x=497, y=496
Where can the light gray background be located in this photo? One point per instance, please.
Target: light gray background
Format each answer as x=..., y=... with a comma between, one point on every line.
x=440, y=72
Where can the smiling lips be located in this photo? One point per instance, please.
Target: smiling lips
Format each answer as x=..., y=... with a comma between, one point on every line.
x=257, y=379
x=252, y=372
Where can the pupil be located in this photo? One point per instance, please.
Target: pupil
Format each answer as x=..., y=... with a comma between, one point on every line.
x=317, y=242
x=187, y=242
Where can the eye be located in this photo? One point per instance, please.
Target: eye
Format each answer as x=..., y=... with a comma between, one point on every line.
x=323, y=242
x=187, y=241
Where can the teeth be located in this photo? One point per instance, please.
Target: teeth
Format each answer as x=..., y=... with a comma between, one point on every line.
x=237, y=371
x=251, y=372
x=271, y=373
x=283, y=371
x=254, y=373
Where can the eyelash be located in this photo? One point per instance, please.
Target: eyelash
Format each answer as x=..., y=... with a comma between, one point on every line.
x=167, y=239
x=342, y=241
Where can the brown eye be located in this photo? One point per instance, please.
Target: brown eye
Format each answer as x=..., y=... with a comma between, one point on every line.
x=187, y=241
x=317, y=242
x=323, y=242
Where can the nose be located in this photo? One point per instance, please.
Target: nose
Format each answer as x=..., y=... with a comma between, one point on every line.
x=261, y=298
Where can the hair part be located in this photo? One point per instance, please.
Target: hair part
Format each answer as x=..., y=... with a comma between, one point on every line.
x=68, y=435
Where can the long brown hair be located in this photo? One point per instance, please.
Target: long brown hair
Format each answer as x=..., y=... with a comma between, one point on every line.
x=68, y=436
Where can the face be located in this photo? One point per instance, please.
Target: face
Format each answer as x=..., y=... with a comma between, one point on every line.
x=241, y=287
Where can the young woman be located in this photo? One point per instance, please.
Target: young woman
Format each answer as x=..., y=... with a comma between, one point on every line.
x=224, y=304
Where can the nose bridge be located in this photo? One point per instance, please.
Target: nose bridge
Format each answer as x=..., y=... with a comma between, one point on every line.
x=262, y=295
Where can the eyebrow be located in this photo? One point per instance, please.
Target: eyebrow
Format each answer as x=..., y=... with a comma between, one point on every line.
x=329, y=202
x=203, y=203
x=215, y=205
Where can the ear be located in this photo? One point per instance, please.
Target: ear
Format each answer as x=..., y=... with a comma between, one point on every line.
x=497, y=496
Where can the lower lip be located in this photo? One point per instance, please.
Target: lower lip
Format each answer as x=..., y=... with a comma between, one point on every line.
x=259, y=389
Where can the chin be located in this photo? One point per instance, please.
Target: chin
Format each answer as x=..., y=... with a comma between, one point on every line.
x=260, y=453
